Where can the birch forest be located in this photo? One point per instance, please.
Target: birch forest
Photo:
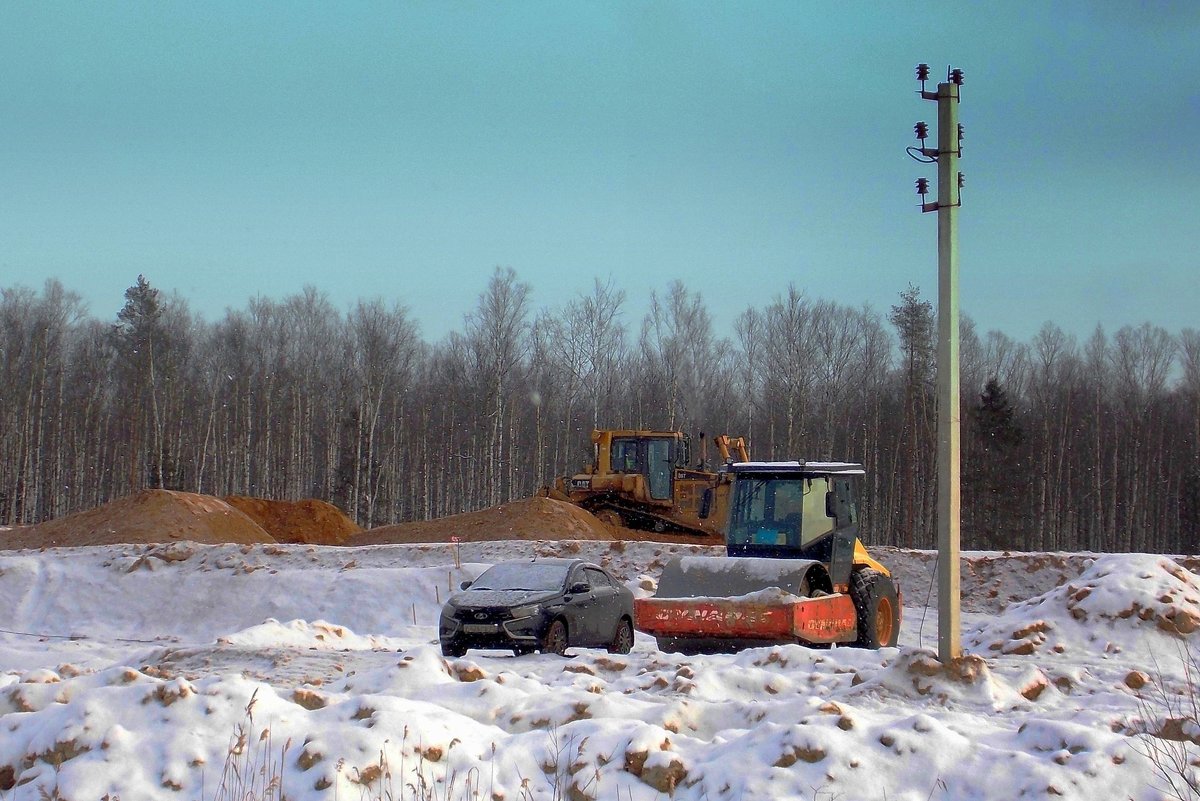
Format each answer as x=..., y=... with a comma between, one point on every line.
x=1068, y=443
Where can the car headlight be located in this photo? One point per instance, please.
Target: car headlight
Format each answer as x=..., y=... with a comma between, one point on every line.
x=529, y=610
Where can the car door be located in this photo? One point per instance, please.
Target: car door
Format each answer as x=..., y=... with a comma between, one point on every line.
x=578, y=610
x=606, y=605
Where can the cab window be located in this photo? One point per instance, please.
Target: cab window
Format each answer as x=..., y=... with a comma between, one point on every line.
x=816, y=522
x=780, y=511
x=624, y=456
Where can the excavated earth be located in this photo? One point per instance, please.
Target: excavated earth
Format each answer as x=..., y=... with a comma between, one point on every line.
x=153, y=515
x=535, y=518
x=158, y=515
x=306, y=522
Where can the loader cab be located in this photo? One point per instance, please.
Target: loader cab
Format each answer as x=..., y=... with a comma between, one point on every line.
x=794, y=510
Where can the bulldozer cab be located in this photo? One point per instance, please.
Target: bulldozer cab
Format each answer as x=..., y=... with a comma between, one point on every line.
x=795, y=510
x=654, y=456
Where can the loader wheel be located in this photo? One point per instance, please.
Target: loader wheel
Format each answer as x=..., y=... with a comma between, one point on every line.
x=622, y=642
x=878, y=609
x=555, y=641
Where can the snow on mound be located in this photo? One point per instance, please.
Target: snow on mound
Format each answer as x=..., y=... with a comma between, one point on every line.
x=991, y=580
x=308, y=522
x=318, y=635
x=1119, y=599
x=149, y=516
x=967, y=682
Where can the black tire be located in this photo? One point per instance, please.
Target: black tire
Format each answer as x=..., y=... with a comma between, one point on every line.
x=877, y=607
x=453, y=649
x=555, y=641
x=622, y=642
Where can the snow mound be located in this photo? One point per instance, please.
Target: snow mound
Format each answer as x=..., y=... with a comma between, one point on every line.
x=1119, y=598
x=319, y=635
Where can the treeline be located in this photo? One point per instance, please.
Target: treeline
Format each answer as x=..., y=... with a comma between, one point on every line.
x=1066, y=445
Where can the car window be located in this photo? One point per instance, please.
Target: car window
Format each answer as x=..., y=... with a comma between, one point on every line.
x=521, y=576
x=597, y=578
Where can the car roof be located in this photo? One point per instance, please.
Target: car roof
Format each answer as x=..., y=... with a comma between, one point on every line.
x=548, y=560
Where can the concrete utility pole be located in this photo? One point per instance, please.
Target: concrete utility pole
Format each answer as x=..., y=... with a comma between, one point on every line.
x=949, y=503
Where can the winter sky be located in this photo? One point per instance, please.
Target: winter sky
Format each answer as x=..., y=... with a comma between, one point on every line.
x=403, y=150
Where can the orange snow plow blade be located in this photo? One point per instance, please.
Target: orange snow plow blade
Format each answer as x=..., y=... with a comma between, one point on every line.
x=828, y=618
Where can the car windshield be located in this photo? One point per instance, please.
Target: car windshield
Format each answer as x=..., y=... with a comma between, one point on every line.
x=522, y=576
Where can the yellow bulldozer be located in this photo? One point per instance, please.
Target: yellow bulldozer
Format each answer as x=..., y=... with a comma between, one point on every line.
x=648, y=480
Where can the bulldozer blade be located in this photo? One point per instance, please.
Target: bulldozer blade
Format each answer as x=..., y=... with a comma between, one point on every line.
x=723, y=577
x=554, y=493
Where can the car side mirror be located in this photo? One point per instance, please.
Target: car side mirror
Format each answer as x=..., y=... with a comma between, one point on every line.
x=579, y=588
x=465, y=584
x=830, y=504
x=706, y=499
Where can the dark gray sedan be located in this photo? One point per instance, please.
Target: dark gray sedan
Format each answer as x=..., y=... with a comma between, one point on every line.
x=540, y=604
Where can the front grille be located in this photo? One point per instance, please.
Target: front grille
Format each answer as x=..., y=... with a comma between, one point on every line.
x=483, y=615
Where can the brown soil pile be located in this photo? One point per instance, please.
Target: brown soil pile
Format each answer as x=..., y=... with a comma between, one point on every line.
x=534, y=518
x=149, y=516
x=308, y=522
x=527, y=519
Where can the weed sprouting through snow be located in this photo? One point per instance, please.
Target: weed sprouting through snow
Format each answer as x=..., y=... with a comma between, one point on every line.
x=251, y=769
x=254, y=771
x=1171, y=725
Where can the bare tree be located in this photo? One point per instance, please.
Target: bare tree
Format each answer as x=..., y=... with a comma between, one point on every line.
x=497, y=336
x=384, y=346
x=677, y=355
x=791, y=349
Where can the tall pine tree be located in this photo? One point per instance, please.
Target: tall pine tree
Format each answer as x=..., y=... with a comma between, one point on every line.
x=996, y=477
x=135, y=337
x=913, y=319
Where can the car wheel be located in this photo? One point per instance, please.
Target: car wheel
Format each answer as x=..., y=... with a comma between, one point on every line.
x=453, y=649
x=622, y=642
x=555, y=641
x=877, y=608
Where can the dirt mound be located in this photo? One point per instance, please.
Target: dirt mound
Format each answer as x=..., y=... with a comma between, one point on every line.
x=149, y=516
x=527, y=519
x=535, y=518
x=308, y=522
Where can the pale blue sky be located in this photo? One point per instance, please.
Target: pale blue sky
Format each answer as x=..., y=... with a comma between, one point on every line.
x=403, y=150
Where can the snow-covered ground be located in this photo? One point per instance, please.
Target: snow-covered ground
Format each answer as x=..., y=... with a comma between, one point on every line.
x=148, y=672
